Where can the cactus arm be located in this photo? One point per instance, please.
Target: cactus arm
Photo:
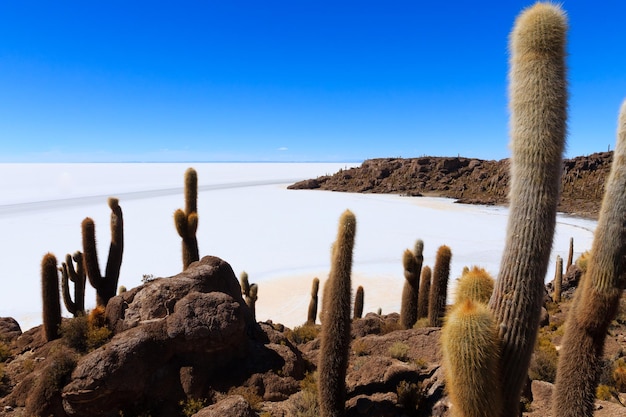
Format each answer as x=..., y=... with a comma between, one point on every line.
x=424, y=292
x=186, y=221
x=439, y=287
x=538, y=105
x=116, y=249
x=597, y=298
x=65, y=288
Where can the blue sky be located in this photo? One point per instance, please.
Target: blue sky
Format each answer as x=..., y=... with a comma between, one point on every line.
x=290, y=80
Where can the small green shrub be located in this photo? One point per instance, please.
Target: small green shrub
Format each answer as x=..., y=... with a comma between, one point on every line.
x=74, y=333
x=422, y=323
x=390, y=325
x=191, y=406
x=249, y=394
x=410, y=396
x=303, y=334
x=359, y=348
x=5, y=351
x=603, y=392
x=399, y=351
x=97, y=336
x=305, y=403
x=619, y=375
x=544, y=361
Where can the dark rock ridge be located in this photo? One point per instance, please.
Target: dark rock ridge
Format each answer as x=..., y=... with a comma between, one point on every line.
x=471, y=181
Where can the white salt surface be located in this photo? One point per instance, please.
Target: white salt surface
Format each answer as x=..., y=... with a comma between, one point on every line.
x=280, y=237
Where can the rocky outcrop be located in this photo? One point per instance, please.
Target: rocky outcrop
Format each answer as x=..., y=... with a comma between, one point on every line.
x=472, y=181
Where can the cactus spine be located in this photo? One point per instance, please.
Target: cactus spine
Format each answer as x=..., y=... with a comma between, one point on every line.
x=50, y=297
x=105, y=285
x=475, y=284
x=358, y=302
x=312, y=312
x=187, y=221
x=558, y=280
x=470, y=349
x=335, y=333
x=597, y=298
x=424, y=293
x=439, y=287
x=412, y=262
x=78, y=277
x=538, y=106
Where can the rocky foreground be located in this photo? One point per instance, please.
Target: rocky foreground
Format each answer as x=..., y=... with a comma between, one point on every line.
x=472, y=181
x=188, y=345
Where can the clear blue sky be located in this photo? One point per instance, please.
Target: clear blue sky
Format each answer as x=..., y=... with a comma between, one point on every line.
x=293, y=80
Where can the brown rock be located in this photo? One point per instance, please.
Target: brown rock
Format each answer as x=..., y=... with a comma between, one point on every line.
x=231, y=406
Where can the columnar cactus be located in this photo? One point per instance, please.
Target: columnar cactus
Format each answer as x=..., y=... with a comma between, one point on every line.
x=558, y=280
x=50, y=297
x=424, y=293
x=251, y=298
x=358, y=302
x=335, y=333
x=245, y=284
x=538, y=107
x=312, y=312
x=475, y=284
x=412, y=263
x=470, y=348
x=78, y=277
x=570, y=254
x=597, y=298
x=187, y=221
x=106, y=285
x=439, y=287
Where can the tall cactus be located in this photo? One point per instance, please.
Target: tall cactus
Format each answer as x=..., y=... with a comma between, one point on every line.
x=106, y=285
x=335, y=333
x=78, y=276
x=558, y=280
x=570, y=254
x=439, y=287
x=312, y=312
x=50, y=297
x=424, y=293
x=187, y=221
x=412, y=263
x=470, y=349
x=538, y=106
x=597, y=298
x=358, y=302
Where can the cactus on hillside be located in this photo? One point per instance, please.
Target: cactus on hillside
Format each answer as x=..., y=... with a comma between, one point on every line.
x=186, y=221
x=597, y=297
x=424, y=293
x=475, y=284
x=439, y=287
x=105, y=285
x=335, y=333
x=312, y=312
x=50, y=297
x=558, y=280
x=470, y=349
x=358, y=302
x=251, y=298
x=538, y=108
x=245, y=284
x=78, y=277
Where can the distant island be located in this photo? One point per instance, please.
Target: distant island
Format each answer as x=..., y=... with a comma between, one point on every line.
x=469, y=180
